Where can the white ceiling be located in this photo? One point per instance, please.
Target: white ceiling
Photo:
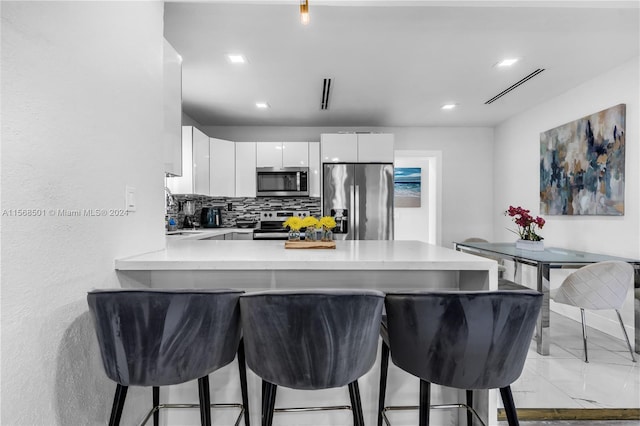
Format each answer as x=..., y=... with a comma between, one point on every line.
x=392, y=63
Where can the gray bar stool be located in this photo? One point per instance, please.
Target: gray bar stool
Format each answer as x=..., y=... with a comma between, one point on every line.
x=162, y=337
x=314, y=339
x=463, y=340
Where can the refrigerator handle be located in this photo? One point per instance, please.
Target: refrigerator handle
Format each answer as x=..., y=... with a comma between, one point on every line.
x=357, y=213
x=352, y=204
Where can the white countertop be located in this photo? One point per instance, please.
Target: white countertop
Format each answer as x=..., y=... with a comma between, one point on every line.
x=200, y=233
x=191, y=254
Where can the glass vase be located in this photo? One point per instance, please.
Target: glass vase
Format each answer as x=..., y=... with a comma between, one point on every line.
x=294, y=235
x=327, y=235
x=309, y=234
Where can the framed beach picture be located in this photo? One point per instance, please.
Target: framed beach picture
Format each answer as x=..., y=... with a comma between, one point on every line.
x=582, y=165
x=407, y=186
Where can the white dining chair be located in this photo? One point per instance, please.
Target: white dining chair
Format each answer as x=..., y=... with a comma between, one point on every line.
x=602, y=285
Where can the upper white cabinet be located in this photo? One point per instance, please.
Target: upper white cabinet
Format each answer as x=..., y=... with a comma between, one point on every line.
x=222, y=154
x=315, y=172
x=339, y=148
x=269, y=154
x=282, y=154
x=245, y=169
x=172, y=113
x=375, y=148
x=357, y=148
x=195, y=164
x=295, y=154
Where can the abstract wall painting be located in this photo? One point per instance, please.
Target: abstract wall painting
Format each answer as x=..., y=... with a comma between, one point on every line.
x=407, y=186
x=582, y=165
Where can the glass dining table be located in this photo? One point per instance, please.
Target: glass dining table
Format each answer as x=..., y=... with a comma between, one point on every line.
x=544, y=261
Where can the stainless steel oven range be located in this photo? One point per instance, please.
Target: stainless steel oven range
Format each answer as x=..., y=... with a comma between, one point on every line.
x=270, y=226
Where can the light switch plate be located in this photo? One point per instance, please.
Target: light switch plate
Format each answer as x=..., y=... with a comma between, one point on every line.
x=130, y=198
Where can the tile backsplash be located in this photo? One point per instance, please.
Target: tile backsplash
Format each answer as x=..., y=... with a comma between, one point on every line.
x=242, y=208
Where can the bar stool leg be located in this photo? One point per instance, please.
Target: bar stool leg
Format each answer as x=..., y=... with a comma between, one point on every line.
x=469, y=404
x=425, y=401
x=356, y=404
x=384, y=367
x=509, y=406
x=242, y=367
x=269, y=401
x=205, y=401
x=118, y=405
x=156, y=402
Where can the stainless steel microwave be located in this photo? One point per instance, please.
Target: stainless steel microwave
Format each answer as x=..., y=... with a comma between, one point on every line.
x=285, y=182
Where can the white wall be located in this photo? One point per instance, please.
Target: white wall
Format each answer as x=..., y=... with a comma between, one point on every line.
x=467, y=163
x=81, y=118
x=516, y=176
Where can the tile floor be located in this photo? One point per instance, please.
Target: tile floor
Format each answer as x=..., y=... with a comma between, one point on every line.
x=563, y=380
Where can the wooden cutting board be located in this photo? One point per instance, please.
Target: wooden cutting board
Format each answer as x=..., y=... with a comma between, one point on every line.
x=309, y=244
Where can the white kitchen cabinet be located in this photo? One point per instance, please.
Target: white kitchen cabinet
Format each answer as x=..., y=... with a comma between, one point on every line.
x=375, y=148
x=295, y=154
x=339, y=147
x=201, y=163
x=245, y=169
x=282, y=154
x=195, y=164
x=222, y=180
x=269, y=154
x=315, y=172
x=357, y=148
x=172, y=113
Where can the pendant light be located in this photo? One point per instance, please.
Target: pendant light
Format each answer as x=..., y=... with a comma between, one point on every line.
x=304, y=11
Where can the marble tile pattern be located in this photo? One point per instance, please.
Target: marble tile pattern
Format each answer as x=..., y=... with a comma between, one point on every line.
x=244, y=208
x=316, y=339
x=563, y=380
x=465, y=340
x=162, y=337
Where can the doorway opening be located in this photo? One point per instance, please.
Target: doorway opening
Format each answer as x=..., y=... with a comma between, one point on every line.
x=420, y=220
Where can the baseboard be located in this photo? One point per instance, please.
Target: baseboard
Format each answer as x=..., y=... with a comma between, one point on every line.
x=525, y=414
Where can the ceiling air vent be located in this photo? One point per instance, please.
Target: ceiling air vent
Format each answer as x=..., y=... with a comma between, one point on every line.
x=510, y=88
x=326, y=88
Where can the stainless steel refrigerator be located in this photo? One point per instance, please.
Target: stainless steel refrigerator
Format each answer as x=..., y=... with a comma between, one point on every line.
x=360, y=198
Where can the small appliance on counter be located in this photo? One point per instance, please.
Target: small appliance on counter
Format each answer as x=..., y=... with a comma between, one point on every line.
x=189, y=209
x=211, y=217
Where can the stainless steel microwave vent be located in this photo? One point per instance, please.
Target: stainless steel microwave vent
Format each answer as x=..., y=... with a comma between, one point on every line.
x=326, y=89
x=513, y=86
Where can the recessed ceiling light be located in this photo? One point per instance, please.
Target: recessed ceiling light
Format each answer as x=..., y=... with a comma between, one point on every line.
x=236, y=58
x=262, y=105
x=449, y=106
x=507, y=62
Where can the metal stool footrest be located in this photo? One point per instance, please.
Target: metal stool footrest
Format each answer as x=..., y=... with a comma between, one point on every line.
x=162, y=406
x=299, y=409
x=437, y=406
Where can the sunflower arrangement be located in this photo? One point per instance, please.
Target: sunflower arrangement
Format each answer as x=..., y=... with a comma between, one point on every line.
x=327, y=223
x=294, y=223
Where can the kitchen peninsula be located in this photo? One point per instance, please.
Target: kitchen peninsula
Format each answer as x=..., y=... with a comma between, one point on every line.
x=256, y=265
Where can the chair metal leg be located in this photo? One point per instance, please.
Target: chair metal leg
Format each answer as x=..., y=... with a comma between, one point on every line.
x=242, y=367
x=269, y=401
x=356, y=404
x=584, y=335
x=425, y=401
x=384, y=368
x=469, y=404
x=205, y=401
x=118, y=405
x=624, y=331
x=509, y=406
x=156, y=402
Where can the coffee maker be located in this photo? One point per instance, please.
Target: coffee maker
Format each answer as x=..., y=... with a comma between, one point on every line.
x=189, y=209
x=211, y=217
